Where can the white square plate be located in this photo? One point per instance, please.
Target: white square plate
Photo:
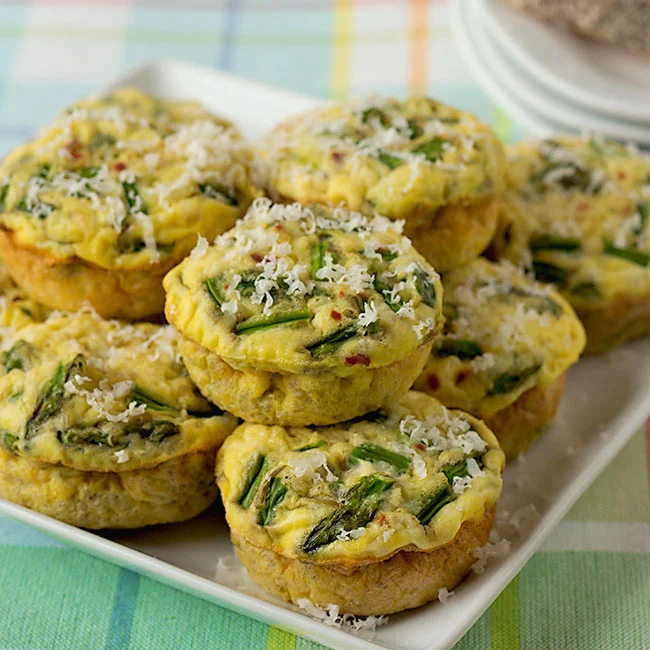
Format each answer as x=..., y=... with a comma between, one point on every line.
x=606, y=401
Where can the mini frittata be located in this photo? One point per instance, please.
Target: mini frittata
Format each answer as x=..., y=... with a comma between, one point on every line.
x=305, y=315
x=506, y=345
x=16, y=310
x=113, y=194
x=438, y=168
x=374, y=515
x=576, y=212
x=101, y=426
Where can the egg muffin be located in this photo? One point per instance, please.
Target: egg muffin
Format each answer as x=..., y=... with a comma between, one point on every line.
x=16, y=310
x=506, y=345
x=374, y=515
x=576, y=212
x=112, y=195
x=101, y=427
x=305, y=315
x=438, y=168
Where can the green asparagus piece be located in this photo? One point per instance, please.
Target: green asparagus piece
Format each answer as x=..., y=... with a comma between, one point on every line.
x=551, y=242
x=508, y=381
x=431, y=149
x=83, y=436
x=373, y=112
x=133, y=197
x=434, y=504
x=18, y=357
x=587, y=290
x=642, y=258
x=360, y=505
x=642, y=209
x=393, y=162
x=374, y=454
x=541, y=304
x=218, y=192
x=214, y=287
x=100, y=140
x=140, y=396
x=313, y=445
x=255, y=324
x=51, y=399
x=547, y=272
x=332, y=342
x=4, y=190
x=256, y=474
x=425, y=287
x=9, y=440
x=318, y=254
x=382, y=287
x=275, y=495
x=464, y=350
x=579, y=179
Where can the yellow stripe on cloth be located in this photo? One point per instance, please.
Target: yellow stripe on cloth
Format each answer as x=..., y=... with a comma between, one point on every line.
x=280, y=640
x=419, y=41
x=341, y=48
x=504, y=618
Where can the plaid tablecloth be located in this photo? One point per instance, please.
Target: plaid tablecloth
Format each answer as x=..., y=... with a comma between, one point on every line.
x=588, y=588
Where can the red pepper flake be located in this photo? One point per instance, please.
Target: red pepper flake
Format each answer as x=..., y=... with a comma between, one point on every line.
x=381, y=519
x=341, y=294
x=119, y=167
x=336, y=156
x=278, y=226
x=461, y=377
x=621, y=175
x=433, y=381
x=257, y=257
x=419, y=446
x=335, y=314
x=582, y=206
x=73, y=149
x=358, y=359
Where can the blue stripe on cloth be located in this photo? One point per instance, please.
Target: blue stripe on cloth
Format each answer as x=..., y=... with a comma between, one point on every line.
x=126, y=594
x=228, y=35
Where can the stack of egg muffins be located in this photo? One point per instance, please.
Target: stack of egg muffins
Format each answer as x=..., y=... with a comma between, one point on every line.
x=309, y=283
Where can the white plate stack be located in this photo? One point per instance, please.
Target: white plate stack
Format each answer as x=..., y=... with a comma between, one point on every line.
x=549, y=79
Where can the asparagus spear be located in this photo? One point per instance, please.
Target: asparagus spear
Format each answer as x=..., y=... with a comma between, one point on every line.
x=9, y=441
x=434, y=504
x=133, y=197
x=318, y=254
x=432, y=149
x=393, y=162
x=587, y=290
x=18, y=357
x=51, y=399
x=642, y=258
x=313, y=445
x=374, y=112
x=140, y=396
x=214, y=287
x=541, y=304
x=382, y=287
x=552, y=242
x=255, y=324
x=425, y=288
x=547, y=272
x=154, y=430
x=464, y=350
x=83, y=436
x=218, y=192
x=508, y=381
x=101, y=140
x=330, y=343
x=274, y=496
x=360, y=504
x=256, y=474
x=374, y=454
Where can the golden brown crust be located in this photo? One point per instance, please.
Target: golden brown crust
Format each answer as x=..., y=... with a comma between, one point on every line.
x=407, y=579
x=455, y=234
x=520, y=424
x=316, y=398
x=612, y=323
x=176, y=490
x=69, y=285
